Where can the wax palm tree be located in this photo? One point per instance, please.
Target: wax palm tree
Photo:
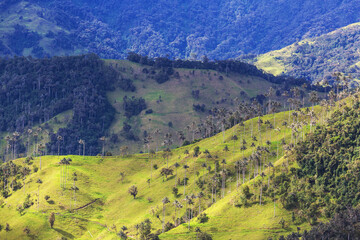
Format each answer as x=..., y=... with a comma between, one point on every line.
x=262, y=175
x=164, y=201
x=176, y=165
x=39, y=182
x=103, y=139
x=74, y=187
x=200, y=196
x=177, y=205
x=82, y=142
x=185, y=181
x=188, y=201
x=41, y=148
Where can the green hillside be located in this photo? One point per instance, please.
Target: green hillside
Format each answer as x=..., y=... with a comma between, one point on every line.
x=67, y=99
x=172, y=102
x=317, y=58
x=103, y=204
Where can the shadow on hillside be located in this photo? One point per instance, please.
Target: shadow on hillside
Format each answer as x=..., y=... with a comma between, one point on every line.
x=65, y=234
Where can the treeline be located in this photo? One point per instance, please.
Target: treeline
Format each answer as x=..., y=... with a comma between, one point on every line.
x=223, y=66
x=35, y=90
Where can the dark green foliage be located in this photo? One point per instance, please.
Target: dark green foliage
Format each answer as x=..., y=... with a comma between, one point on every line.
x=344, y=225
x=7, y=227
x=199, y=108
x=122, y=235
x=329, y=158
x=52, y=220
x=33, y=91
x=133, y=106
x=185, y=29
x=196, y=151
x=204, y=236
x=28, y=202
x=145, y=229
x=203, y=218
x=168, y=226
x=175, y=192
x=166, y=172
x=23, y=38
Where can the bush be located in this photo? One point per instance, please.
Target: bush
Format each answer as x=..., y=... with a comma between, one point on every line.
x=26, y=230
x=204, y=236
x=47, y=197
x=203, y=218
x=7, y=227
x=169, y=226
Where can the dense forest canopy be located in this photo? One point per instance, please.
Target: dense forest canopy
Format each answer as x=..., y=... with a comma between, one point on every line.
x=220, y=29
x=33, y=91
x=317, y=58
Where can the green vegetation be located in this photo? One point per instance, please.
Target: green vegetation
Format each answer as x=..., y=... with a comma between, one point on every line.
x=222, y=200
x=221, y=29
x=317, y=58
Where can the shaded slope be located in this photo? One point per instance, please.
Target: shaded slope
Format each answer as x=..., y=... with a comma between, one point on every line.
x=221, y=29
x=100, y=178
x=317, y=58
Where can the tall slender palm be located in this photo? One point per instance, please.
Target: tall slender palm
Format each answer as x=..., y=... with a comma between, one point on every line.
x=176, y=165
x=177, y=205
x=59, y=139
x=41, y=148
x=190, y=202
x=38, y=182
x=262, y=175
x=28, y=132
x=103, y=139
x=185, y=181
x=164, y=201
x=82, y=142
x=200, y=196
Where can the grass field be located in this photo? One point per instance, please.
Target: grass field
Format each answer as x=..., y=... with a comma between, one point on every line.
x=100, y=183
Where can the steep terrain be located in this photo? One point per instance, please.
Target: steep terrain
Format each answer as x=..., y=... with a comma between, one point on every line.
x=220, y=29
x=63, y=100
x=317, y=58
x=103, y=204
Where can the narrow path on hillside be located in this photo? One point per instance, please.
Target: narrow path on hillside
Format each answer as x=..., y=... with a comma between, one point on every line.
x=86, y=205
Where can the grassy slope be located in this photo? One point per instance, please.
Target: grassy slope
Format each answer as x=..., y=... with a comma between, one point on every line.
x=278, y=62
x=25, y=14
x=100, y=179
x=177, y=104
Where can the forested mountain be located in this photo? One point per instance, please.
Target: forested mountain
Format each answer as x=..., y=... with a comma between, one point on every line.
x=294, y=172
x=317, y=58
x=124, y=102
x=220, y=29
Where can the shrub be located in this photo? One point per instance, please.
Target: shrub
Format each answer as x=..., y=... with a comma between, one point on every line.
x=203, y=218
x=47, y=197
x=7, y=227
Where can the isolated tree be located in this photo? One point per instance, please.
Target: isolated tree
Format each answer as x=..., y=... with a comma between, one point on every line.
x=59, y=139
x=164, y=201
x=176, y=165
x=177, y=205
x=200, y=196
x=74, y=187
x=103, y=139
x=52, y=220
x=41, y=148
x=185, y=167
x=166, y=172
x=133, y=190
x=39, y=182
x=82, y=142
